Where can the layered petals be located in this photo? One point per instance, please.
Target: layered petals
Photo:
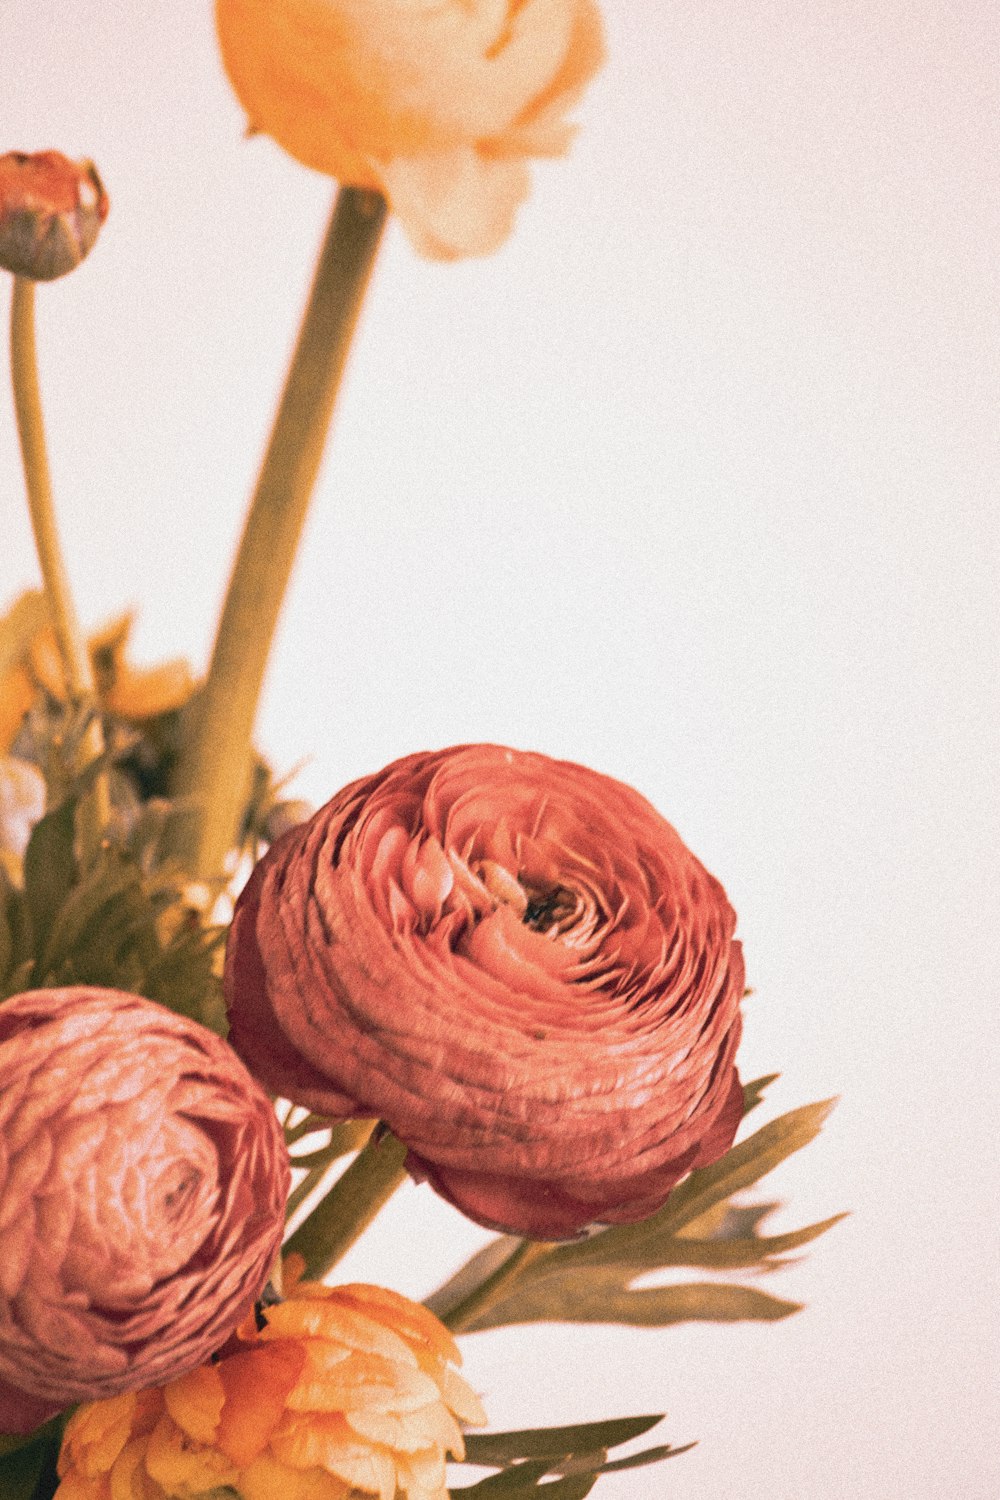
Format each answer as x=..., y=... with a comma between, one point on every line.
x=143, y=1180
x=440, y=106
x=515, y=963
x=343, y=1392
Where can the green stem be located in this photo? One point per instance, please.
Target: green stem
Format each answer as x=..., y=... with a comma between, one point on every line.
x=464, y=1313
x=350, y=1206
x=77, y=666
x=214, y=764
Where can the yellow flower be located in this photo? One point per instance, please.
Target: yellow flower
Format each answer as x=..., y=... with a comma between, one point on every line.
x=346, y=1392
x=132, y=693
x=439, y=104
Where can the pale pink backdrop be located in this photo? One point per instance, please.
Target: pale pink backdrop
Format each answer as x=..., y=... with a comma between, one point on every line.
x=694, y=482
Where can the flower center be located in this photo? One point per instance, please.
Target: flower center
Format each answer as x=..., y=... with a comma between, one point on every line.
x=553, y=908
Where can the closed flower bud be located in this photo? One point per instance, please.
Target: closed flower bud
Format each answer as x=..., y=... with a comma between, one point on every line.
x=51, y=211
x=143, y=1180
x=346, y=1392
x=516, y=964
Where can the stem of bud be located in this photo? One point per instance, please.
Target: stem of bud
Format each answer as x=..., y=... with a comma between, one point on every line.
x=79, y=673
x=350, y=1206
x=214, y=764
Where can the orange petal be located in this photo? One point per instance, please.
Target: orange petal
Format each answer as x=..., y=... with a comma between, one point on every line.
x=195, y=1402
x=128, y=1479
x=266, y=1479
x=256, y=1385
x=17, y=694
x=47, y=665
x=344, y=1325
x=409, y=1319
x=144, y=694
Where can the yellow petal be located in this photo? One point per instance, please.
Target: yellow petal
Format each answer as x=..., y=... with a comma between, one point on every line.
x=362, y=1381
x=326, y=1442
x=195, y=1402
x=182, y=1466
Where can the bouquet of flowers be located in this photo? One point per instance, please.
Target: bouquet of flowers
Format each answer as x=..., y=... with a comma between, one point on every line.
x=232, y=1026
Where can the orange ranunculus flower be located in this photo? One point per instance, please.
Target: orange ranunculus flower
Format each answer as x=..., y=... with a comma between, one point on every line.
x=439, y=106
x=143, y=1180
x=515, y=963
x=345, y=1392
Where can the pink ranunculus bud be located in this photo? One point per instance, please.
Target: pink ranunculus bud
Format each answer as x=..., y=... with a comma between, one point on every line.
x=51, y=212
x=143, y=1180
x=518, y=965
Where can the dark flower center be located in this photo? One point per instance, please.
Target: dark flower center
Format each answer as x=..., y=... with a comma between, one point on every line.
x=547, y=909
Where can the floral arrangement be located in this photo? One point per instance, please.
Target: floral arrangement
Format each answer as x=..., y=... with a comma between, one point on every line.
x=494, y=972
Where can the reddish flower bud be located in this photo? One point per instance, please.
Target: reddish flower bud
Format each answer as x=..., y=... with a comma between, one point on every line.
x=143, y=1179
x=51, y=211
x=513, y=961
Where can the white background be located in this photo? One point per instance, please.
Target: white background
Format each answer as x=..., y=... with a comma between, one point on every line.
x=694, y=482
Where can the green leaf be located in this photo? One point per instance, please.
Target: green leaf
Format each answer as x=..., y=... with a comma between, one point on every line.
x=77, y=924
x=647, y=1456
x=472, y=1275
x=753, y=1093
x=603, y=1296
x=522, y=1482
x=49, y=869
x=6, y=939
x=519, y=1479
x=21, y=1468
x=591, y=1280
x=740, y=1168
x=724, y=1253
x=554, y=1442
x=746, y=1163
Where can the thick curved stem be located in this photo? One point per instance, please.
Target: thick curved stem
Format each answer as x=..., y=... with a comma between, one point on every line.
x=214, y=766
x=350, y=1206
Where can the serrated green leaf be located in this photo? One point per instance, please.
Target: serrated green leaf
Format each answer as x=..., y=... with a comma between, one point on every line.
x=472, y=1275
x=49, y=869
x=730, y=1254
x=519, y=1479
x=592, y=1280
x=18, y=980
x=743, y=1165
x=647, y=1456
x=753, y=1093
x=554, y=1442
x=78, y=920
x=524, y=1482
x=600, y=1297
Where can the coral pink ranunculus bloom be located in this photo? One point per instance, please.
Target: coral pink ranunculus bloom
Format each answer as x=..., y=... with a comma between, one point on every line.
x=143, y=1179
x=518, y=965
x=440, y=106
